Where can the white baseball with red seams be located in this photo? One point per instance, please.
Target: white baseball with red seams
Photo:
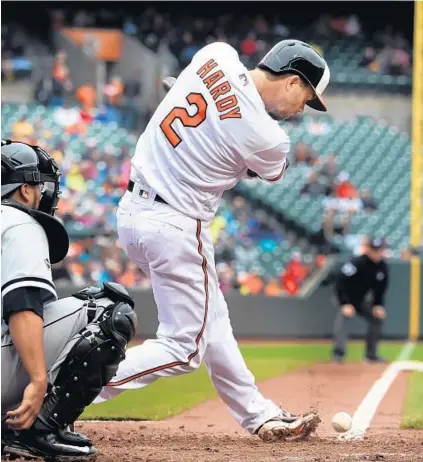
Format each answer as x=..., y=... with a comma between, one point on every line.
x=209, y=129
x=341, y=422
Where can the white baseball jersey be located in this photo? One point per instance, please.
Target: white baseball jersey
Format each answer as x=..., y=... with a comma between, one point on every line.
x=24, y=256
x=209, y=129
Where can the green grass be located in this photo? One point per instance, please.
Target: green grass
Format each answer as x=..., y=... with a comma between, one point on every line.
x=170, y=396
x=412, y=415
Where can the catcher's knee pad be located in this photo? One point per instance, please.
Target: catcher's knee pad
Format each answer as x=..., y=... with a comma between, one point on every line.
x=91, y=363
x=95, y=297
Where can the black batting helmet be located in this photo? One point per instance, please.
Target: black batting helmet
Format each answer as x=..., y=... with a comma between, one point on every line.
x=296, y=57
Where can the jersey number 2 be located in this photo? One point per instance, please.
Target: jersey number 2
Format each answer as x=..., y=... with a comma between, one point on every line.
x=196, y=99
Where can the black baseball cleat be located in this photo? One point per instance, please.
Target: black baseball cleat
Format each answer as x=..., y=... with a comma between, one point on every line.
x=70, y=436
x=375, y=360
x=50, y=447
x=338, y=356
x=338, y=359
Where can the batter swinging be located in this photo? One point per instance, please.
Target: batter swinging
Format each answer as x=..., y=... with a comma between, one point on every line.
x=215, y=127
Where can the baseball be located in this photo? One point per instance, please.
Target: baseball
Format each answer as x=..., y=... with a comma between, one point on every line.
x=341, y=422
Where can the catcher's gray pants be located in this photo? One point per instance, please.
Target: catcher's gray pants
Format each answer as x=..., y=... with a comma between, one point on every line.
x=62, y=320
x=374, y=331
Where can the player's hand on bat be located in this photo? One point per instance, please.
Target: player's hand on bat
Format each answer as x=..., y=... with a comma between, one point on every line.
x=379, y=312
x=23, y=417
x=348, y=311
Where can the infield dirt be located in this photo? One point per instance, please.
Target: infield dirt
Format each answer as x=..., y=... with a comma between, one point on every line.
x=208, y=432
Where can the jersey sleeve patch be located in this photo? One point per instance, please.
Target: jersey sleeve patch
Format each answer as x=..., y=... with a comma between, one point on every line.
x=349, y=269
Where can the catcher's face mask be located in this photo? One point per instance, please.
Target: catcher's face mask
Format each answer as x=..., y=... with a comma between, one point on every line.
x=50, y=176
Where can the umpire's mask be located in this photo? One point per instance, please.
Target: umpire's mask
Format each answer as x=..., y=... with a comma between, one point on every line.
x=23, y=163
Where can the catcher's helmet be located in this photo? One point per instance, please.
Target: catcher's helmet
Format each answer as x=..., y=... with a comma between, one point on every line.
x=296, y=57
x=25, y=164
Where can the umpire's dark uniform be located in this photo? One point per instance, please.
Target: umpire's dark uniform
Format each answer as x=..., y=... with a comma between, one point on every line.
x=362, y=283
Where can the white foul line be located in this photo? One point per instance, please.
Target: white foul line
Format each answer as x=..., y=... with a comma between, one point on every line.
x=406, y=351
x=368, y=407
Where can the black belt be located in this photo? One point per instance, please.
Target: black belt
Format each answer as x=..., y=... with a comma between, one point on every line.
x=131, y=185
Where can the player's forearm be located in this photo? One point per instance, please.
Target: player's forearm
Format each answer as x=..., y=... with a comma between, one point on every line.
x=26, y=330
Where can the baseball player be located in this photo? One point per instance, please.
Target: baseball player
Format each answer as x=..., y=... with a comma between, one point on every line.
x=215, y=126
x=55, y=354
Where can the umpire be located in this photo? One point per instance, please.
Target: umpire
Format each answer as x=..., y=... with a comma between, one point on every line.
x=360, y=287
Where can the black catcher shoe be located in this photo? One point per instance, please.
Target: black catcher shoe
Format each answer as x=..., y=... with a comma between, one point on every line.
x=50, y=446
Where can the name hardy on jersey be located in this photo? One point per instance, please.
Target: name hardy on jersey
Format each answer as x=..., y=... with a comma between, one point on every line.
x=227, y=106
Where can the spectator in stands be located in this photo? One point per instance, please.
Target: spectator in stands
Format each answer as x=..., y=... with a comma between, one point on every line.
x=353, y=26
x=87, y=96
x=133, y=116
x=74, y=179
x=408, y=252
x=113, y=93
x=83, y=19
x=303, y=154
x=225, y=274
x=368, y=56
x=249, y=46
x=260, y=25
x=251, y=284
x=129, y=27
x=57, y=19
x=13, y=41
x=346, y=26
x=76, y=272
x=131, y=276
x=328, y=168
x=296, y=268
x=335, y=223
x=22, y=130
x=60, y=82
x=400, y=61
x=315, y=187
x=58, y=153
x=6, y=66
x=67, y=116
x=43, y=90
x=279, y=29
x=344, y=188
x=337, y=215
x=368, y=203
x=189, y=49
x=272, y=288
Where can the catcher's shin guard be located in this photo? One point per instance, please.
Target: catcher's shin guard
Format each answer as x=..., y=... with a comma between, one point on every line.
x=90, y=364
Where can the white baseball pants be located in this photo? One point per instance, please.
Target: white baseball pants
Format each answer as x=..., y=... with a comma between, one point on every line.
x=177, y=253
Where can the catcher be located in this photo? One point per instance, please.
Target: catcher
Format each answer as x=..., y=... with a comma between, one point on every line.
x=55, y=354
